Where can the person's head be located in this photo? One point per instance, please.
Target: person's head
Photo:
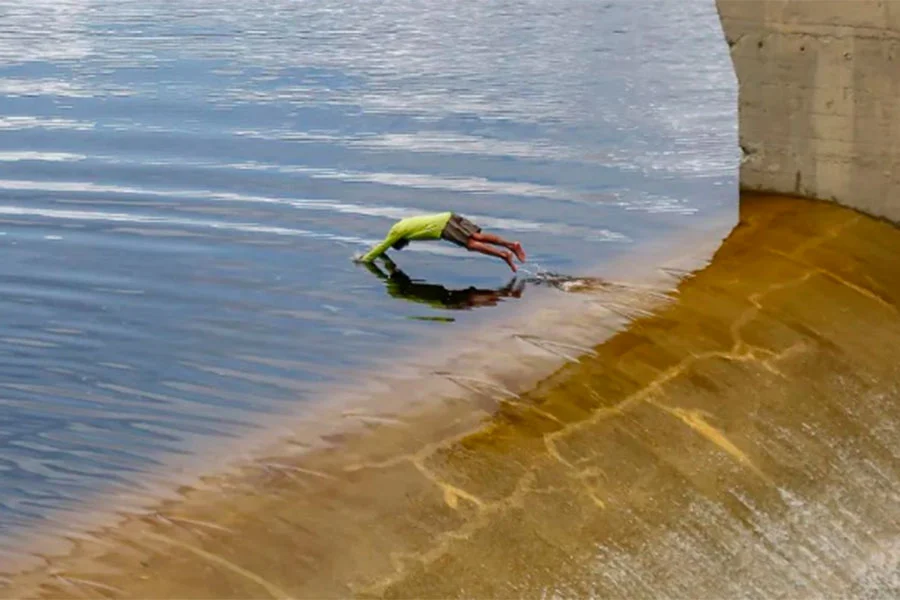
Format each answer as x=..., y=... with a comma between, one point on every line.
x=400, y=244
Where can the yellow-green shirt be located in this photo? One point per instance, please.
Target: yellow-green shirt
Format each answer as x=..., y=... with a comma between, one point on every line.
x=425, y=227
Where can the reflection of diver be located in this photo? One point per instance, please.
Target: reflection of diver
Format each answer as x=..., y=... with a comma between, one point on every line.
x=400, y=285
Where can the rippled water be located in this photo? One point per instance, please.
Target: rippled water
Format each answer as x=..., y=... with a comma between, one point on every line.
x=183, y=185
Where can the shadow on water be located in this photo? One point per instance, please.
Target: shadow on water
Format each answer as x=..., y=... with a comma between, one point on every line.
x=400, y=285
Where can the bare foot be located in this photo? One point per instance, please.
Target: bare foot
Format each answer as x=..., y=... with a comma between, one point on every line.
x=508, y=257
x=517, y=248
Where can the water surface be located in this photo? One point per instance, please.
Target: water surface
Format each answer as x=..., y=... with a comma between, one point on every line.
x=183, y=185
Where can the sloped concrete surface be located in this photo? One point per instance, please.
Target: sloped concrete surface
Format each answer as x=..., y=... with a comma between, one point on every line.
x=742, y=441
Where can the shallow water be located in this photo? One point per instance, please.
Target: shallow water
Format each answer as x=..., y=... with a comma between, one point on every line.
x=738, y=440
x=182, y=186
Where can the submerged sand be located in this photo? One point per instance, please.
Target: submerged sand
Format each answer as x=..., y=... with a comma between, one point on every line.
x=742, y=439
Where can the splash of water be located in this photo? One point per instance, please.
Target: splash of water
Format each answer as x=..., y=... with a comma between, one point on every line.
x=544, y=277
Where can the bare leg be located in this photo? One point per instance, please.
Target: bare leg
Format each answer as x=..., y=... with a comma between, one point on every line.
x=477, y=246
x=490, y=238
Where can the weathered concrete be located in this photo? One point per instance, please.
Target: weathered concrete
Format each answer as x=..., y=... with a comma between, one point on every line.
x=819, y=98
x=740, y=442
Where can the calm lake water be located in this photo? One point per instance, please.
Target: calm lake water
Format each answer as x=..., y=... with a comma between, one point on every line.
x=183, y=186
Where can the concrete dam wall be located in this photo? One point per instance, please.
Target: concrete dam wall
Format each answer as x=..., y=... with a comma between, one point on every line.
x=819, y=98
